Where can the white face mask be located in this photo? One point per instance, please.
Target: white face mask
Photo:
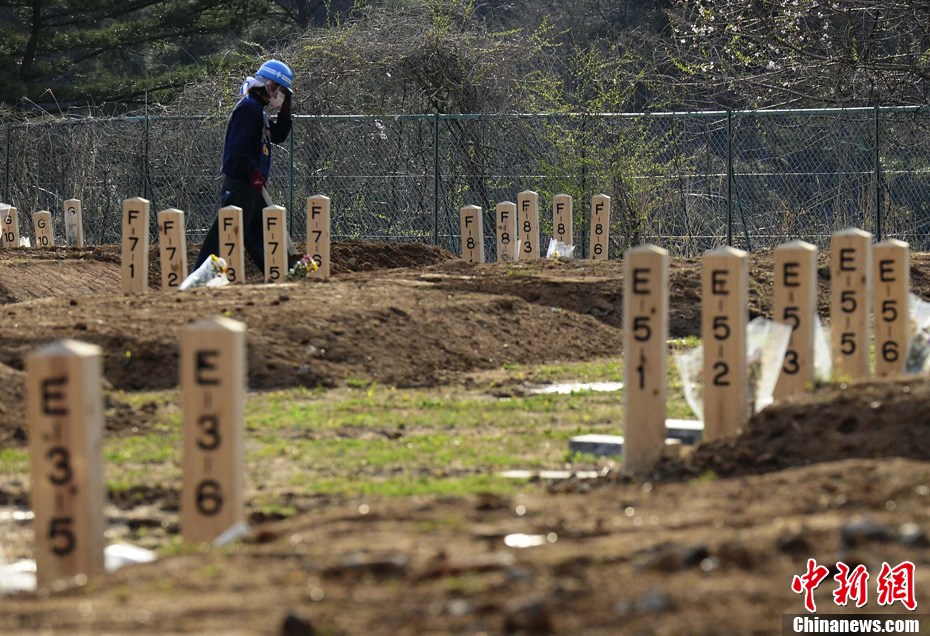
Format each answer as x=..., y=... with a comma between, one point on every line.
x=277, y=99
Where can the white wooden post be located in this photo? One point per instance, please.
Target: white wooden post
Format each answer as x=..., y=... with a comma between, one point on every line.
x=274, y=221
x=9, y=226
x=172, y=247
x=319, y=218
x=724, y=317
x=528, y=210
x=507, y=243
x=64, y=410
x=472, y=234
x=42, y=223
x=891, y=279
x=74, y=223
x=213, y=382
x=232, y=246
x=135, y=248
x=600, y=227
x=796, y=305
x=645, y=355
x=850, y=284
x=562, y=220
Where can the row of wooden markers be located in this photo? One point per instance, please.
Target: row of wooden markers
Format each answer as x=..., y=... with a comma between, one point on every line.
x=862, y=275
x=173, y=240
x=518, y=238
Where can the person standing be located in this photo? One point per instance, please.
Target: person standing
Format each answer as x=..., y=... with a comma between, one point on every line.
x=246, y=167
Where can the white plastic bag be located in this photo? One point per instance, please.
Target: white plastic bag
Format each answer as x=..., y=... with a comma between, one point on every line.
x=557, y=249
x=918, y=350
x=212, y=273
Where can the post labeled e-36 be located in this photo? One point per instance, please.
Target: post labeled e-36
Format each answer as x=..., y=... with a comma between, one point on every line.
x=213, y=381
x=64, y=411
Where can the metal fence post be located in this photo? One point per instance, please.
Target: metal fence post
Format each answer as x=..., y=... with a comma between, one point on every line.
x=9, y=140
x=729, y=177
x=290, y=183
x=878, y=180
x=436, y=178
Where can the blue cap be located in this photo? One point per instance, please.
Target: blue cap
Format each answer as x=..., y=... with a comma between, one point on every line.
x=279, y=72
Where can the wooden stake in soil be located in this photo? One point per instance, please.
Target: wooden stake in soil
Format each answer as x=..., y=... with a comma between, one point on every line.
x=231, y=243
x=850, y=284
x=9, y=226
x=74, y=224
x=319, y=216
x=600, y=226
x=135, y=249
x=275, y=224
x=213, y=383
x=64, y=410
x=42, y=223
x=507, y=244
x=172, y=246
x=724, y=292
x=528, y=208
x=645, y=352
x=891, y=279
x=562, y=221
x=472, y=234
x=796, y=305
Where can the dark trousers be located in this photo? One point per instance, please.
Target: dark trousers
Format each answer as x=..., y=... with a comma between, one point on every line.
x=243, y=195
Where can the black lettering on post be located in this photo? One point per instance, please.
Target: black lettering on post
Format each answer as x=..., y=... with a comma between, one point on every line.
x=270, y=222
x=49, y=394
x=133, y=215
x=468, y=219
x=227, y=223
x=205, y=364
x=790, y=274
x=886, y=271
x=641, y=280
x=718, y=282
x=315, y=211
x=847, y=256
x=169, y=225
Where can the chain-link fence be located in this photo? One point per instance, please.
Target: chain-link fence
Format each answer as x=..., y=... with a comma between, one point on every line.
x=687, y=181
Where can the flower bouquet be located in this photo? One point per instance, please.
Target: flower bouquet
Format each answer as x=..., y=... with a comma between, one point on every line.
x=302, y=268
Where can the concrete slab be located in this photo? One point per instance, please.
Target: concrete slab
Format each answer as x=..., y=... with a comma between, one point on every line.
x=685, y=432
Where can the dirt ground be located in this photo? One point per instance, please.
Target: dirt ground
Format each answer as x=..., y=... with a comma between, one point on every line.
x=707, y=545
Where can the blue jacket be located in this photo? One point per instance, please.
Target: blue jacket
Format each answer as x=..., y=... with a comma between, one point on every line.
x=249, y=135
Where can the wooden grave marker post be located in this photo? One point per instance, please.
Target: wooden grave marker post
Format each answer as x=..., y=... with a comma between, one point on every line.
x=274, y=221
x=213, y=383
x=74, y=224
x=472, y=234
x=891, y=281
x=135, y=248
x=795, y=304
x=232, y=248
x=319, y=219
x=850, y=276
x=645, y=353
x=724, y=317
x=42, y=224
x=172, y=248
x=600, y=226
x=64, y=410
x=507, y=244
x=562, y=220
x=9, y=226
x=528, y=210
